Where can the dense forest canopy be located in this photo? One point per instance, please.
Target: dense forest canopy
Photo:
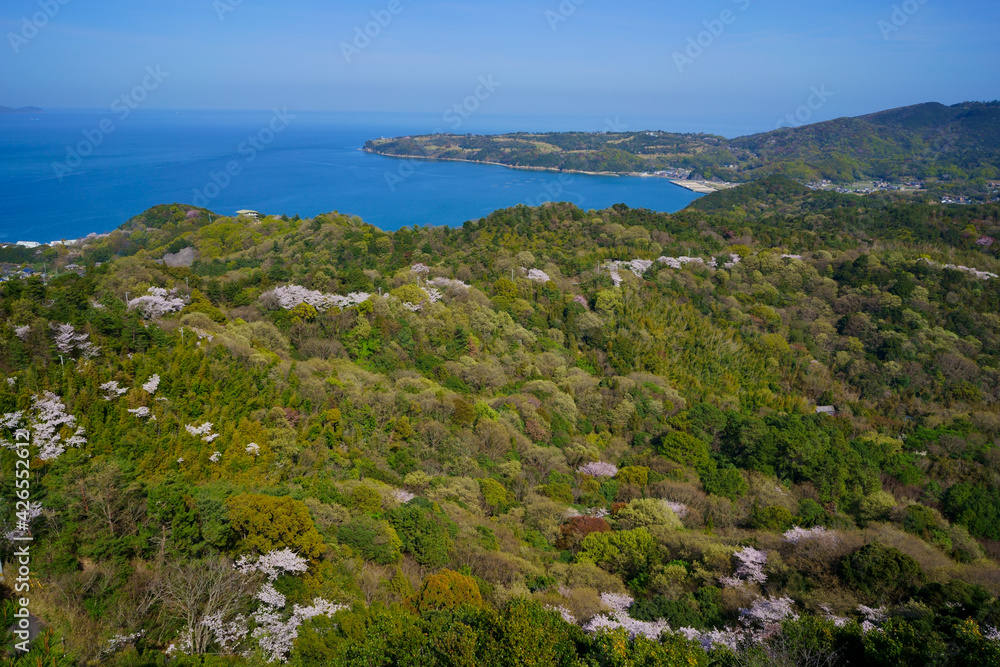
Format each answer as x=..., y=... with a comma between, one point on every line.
x=550, y=436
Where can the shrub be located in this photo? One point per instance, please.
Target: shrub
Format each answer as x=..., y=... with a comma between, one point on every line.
x=874, y=507
x=638, y=475
x=496, y=498
x=627, y=552
x=445, y=590
x=926, y=524
x=577, y=528
x=964, y=548
x=881, y=573
x=373, y=538
x=811, y=513
x=976, y=508
x=685, y=449
x=646, y=512
x=614, y=649
x=903, y=643
x=680, y=613
x=558, y=491
x=725, y=482
x=366, y=499
x=772, y=518
x=487, y=538
x=421, y=534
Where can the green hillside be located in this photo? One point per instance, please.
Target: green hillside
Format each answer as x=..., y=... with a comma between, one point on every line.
x=956, y=149
x=931, y=140
x=550, y=436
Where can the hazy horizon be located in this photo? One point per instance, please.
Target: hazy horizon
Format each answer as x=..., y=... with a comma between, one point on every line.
x=724, y=68
x=502, y=123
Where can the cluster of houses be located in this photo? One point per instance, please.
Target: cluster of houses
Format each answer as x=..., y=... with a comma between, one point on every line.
x=14, y=271
x=877, y=186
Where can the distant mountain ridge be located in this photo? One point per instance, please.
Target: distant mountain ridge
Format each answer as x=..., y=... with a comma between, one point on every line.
x=4, y=109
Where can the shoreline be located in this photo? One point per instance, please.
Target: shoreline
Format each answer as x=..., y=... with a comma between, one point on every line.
x=698, y=187
x=701, y=187
x=501, y=164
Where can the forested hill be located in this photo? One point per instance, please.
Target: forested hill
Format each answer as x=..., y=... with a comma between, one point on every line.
x=926, y=140
x=957, y=147
x=551, y=436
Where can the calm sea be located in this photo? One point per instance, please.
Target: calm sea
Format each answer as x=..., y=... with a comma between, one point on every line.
x=64, y=174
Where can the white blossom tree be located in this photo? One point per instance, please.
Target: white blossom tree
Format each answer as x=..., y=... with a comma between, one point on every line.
x=749, y=571
x=290, y=296
x=203, y=596
x=619, y=605
x=598, y=469
x=112, y=390
x=67, y=340
x=537, y=275
x=49, y=420
x=204, y=431
x=151, y=384
x=157, y=303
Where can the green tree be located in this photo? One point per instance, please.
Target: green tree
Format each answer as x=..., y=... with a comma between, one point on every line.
x=685, y=449
x=615, y=649
x=629, y=553
x=422, y=534
x=725, y=482
x=444, y=591
x=881, y=573
x=373, y=538
x=264, y=523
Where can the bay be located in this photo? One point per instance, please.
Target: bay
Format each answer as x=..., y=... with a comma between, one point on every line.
x=66, y=173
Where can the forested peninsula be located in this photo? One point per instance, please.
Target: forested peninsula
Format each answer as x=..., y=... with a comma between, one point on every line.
x=942, y=151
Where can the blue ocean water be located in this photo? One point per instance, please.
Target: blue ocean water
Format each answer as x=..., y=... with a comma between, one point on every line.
x=64, y=174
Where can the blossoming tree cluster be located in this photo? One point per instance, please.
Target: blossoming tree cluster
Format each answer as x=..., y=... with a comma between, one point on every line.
x=157, y=303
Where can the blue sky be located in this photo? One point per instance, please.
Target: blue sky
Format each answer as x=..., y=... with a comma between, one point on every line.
x=589, y=58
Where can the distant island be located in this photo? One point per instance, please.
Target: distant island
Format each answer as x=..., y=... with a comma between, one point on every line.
x=951, y=151
x=4, y=109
